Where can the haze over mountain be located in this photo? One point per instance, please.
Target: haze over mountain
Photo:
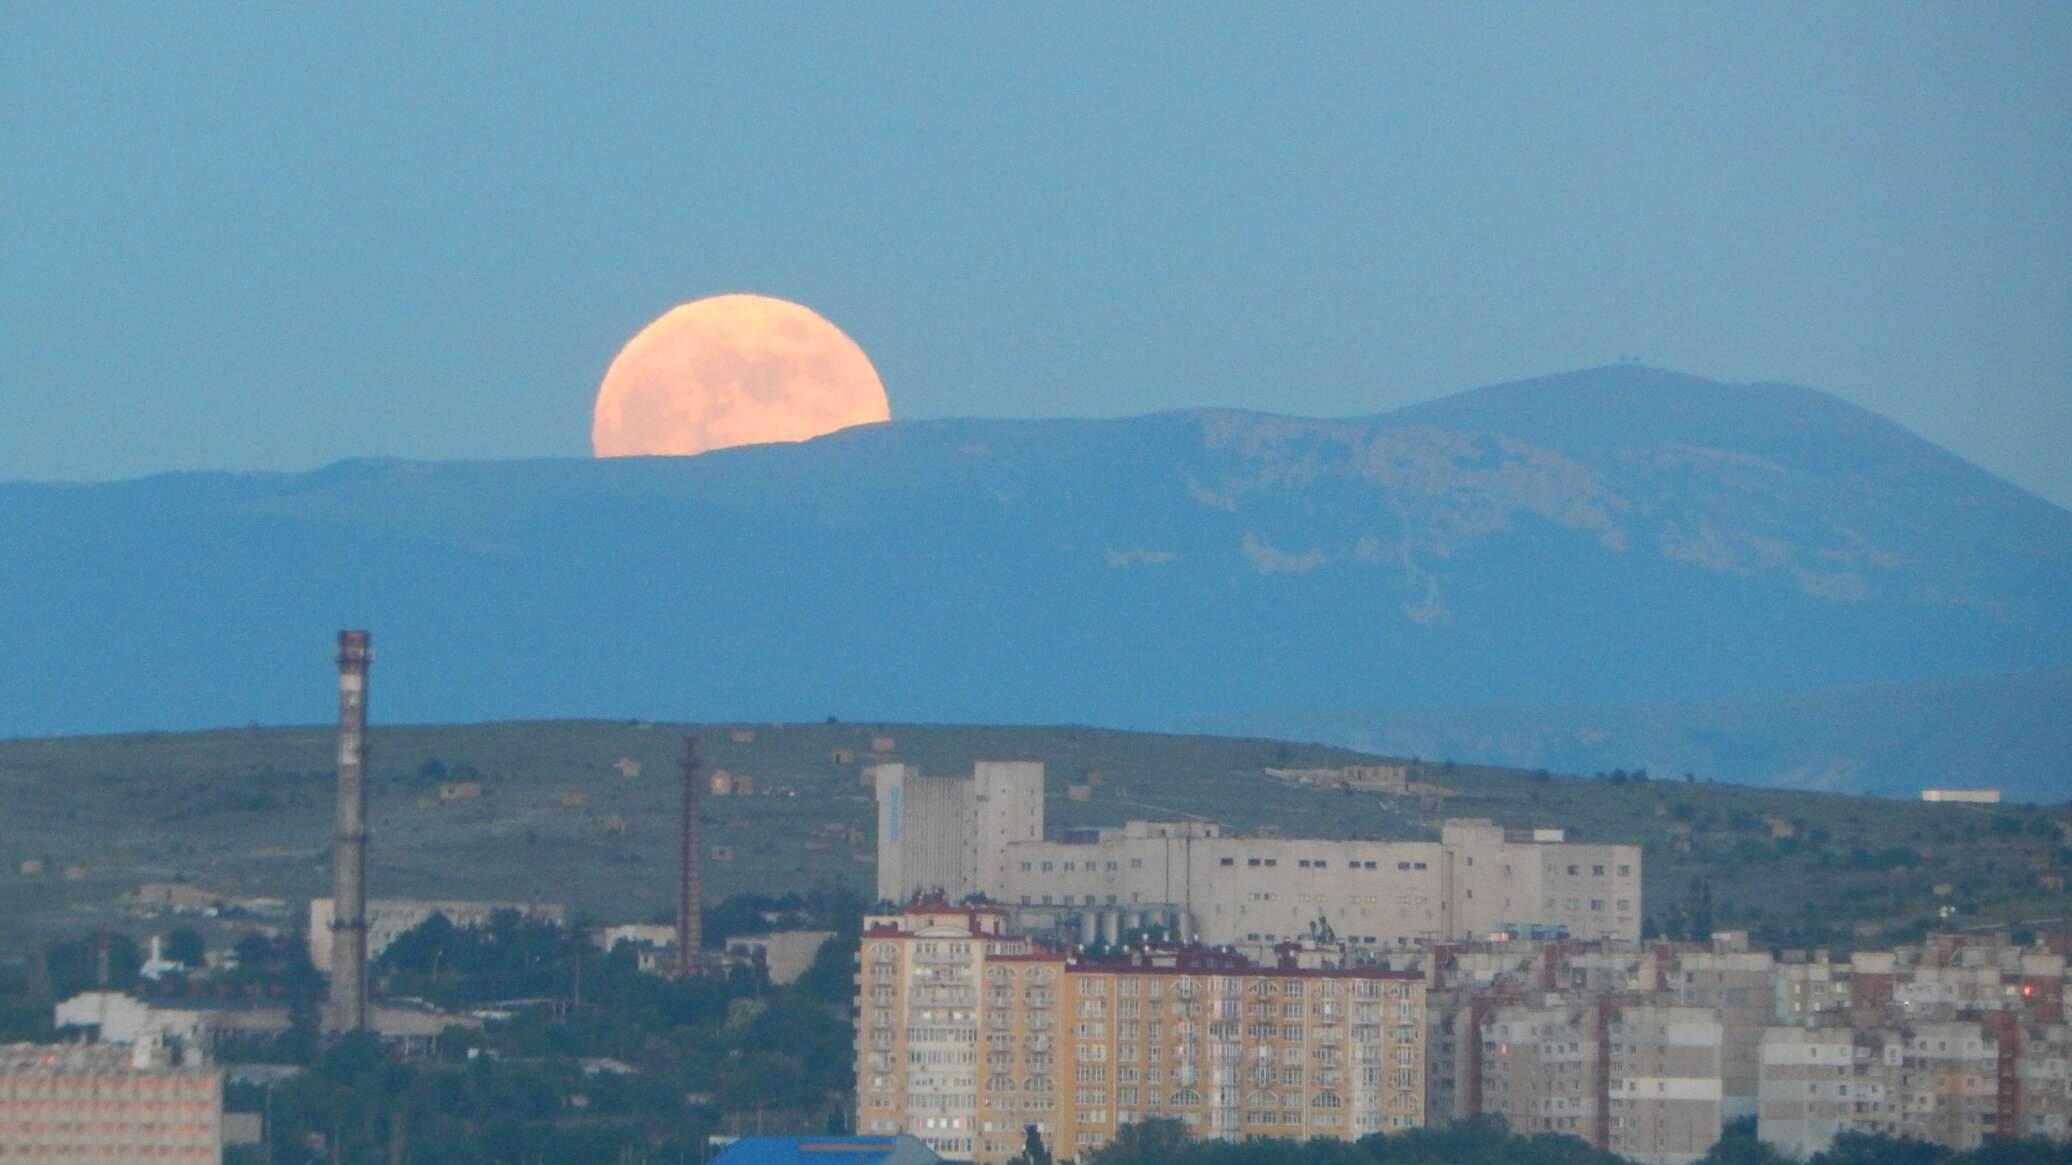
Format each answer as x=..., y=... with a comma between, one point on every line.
x=1618, y=536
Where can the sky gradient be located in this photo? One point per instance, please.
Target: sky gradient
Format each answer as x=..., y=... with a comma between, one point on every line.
x=251, y=238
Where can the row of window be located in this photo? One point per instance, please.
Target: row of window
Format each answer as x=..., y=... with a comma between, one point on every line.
x=1073, y=867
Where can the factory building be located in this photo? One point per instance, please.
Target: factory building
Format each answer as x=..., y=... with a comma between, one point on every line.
x=984, y=834
x=950, y=834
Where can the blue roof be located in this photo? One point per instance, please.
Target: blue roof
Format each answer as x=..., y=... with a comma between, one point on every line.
x=903, y=1149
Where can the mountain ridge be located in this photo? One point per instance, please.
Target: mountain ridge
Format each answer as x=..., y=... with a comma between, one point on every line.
x=1611, y=536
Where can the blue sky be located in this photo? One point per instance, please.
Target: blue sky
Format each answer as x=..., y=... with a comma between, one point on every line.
x=274, y=237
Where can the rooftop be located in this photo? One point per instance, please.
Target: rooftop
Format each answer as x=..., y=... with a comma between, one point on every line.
x=903, y=1149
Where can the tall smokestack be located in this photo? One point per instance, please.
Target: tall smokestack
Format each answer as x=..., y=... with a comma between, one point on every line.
x=349, y=895
x=689, y=922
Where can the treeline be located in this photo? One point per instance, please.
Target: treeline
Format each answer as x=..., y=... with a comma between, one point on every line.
x=1488, y=1141
x=599, y=1062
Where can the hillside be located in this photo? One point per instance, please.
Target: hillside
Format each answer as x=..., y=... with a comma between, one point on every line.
x=248, y=812
x=1616, y=537
x=2008, y=732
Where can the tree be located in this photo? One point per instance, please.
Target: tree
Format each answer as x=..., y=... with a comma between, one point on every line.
x=1033, y=1152
x=1866, y=1149
x=1738, y=1145
x=186, y=947
x=1152, y=1142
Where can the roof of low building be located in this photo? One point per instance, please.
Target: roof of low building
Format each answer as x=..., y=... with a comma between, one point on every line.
x=903, y=1149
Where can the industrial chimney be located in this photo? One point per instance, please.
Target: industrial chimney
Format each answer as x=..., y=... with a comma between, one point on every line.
x=349, y=895
x=689, y=923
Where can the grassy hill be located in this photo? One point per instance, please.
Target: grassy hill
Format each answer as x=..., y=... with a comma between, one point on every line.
x=248, y=811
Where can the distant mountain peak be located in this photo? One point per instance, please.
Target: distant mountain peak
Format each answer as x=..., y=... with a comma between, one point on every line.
x=1613, y=535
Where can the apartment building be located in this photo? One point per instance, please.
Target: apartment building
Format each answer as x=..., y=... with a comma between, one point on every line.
x=1951, y=1040
x=100, y=1104
x=1540, y=1068
x=967, y=1034
x=984, y=834
x=1816, y=1083
x=1665, y=1089
x=2043, y=1083
x=1640, y=1079
x=1741, y=985
x=1953, y=1082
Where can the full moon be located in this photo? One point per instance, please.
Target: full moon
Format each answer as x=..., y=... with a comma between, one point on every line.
x=733, y=370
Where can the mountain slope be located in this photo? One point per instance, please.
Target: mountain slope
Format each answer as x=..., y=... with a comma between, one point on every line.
x=1617, y=536
x=2008, y=732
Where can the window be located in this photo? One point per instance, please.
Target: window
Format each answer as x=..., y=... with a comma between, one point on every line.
x=1574, y=870
x=1227, y=862
x=1136, y=863
x=1597, y=871
x=1625, y=871
x=1251, y=861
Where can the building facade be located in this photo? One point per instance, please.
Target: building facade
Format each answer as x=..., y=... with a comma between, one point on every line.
x=984, y=835
x=949, y=835
x=968, y=1034
x=99, y=1104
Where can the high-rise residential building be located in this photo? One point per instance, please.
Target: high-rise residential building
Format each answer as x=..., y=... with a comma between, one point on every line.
x=1664, y=1084
x=1817, y=1082
x=1638, y=1077
x=968, y=1034
x=1741, y=985
x=1638, y=1048
x=984, y=834
x=102, y=1104
x=1539, y=1068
